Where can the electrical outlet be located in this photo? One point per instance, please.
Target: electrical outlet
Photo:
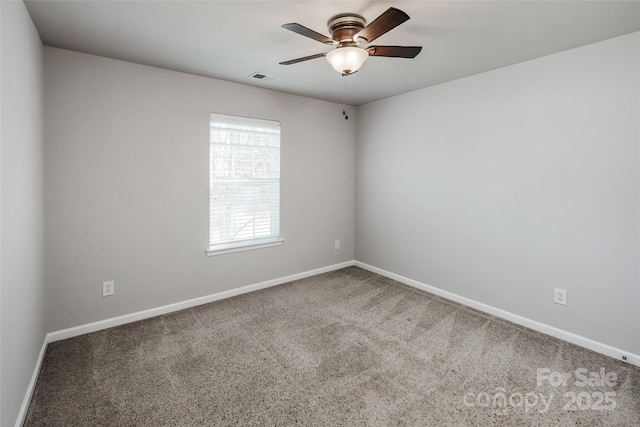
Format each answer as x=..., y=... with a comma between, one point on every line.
x=560, y=297
x=336, y=245
x=108, y=288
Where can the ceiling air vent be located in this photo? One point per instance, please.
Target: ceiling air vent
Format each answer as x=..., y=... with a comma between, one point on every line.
x=262, y=77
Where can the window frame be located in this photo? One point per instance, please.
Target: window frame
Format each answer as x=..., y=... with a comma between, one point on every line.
x=244, y=244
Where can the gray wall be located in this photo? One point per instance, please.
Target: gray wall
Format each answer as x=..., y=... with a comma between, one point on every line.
x=127, y=185
x=22, y=323
x=502, y=186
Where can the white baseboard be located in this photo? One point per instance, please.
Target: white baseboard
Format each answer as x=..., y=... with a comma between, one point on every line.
x=607, y=350
x=170, y=308
x=32, y=384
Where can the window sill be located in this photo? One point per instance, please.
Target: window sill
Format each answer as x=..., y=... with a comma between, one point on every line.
x=241, y=247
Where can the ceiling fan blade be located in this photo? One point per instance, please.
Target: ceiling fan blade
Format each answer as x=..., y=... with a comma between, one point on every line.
x=306, y=58
x=304, y=31
x=390, y=19
x=395, y=51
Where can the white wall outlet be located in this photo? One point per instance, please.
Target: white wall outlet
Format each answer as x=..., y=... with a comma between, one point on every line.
x=560, y=297
x=336, y=245
x=108, y=288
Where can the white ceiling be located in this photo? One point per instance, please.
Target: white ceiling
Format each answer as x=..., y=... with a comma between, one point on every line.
x=230, y=40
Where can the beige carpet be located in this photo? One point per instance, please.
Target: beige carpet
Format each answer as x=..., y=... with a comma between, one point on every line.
x=346, y=348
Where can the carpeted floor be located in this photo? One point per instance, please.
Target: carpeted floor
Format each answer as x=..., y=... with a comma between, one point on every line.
x=346, y=348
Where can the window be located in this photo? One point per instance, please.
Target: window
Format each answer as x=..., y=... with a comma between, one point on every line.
x=244, y=184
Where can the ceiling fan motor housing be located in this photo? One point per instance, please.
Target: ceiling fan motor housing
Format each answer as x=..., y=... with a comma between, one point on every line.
x=344, y=27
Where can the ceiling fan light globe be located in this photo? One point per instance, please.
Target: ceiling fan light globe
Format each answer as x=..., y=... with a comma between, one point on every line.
x=347, y=60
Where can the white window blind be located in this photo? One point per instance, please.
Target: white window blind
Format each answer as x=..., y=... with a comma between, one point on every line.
x=244, y=183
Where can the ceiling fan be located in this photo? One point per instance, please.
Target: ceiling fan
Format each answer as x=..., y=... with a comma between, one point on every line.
x=350, y=35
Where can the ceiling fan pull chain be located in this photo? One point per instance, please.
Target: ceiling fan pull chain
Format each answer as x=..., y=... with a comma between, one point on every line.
x=345, y=98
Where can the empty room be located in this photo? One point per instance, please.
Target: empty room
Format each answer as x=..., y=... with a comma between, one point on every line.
x=324, y=213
